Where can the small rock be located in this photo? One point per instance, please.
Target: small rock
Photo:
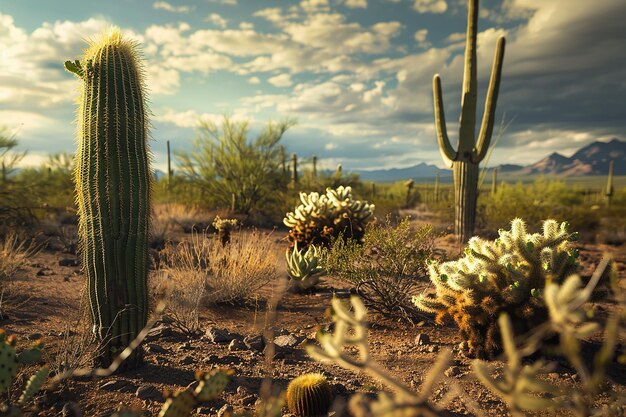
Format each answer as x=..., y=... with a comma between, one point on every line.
x=154, y=348
x=216, y=335
x=119, y=385
x=452, y=371
x=242, y=391
x=185, y=346
x=225, y=411
x=71, y=409
x=236, y=344
x=422, y=339
x=149, y=392
x=288, y=341
x=68, y=262
x=553, y=375
x=433, y=348
x=187, y=360
x=254, y=343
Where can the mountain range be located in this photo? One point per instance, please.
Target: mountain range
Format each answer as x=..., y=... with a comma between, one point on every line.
x=592, y=159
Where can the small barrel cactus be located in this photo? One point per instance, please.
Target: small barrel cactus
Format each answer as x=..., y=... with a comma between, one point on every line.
x=309, y=395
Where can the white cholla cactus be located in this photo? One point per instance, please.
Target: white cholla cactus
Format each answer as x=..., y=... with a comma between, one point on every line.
x=505, y=275
x=320, y=217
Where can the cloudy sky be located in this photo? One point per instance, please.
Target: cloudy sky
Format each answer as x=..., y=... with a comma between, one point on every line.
x=356, y=74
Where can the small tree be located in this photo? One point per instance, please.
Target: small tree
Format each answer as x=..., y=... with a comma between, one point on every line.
x=224, y=162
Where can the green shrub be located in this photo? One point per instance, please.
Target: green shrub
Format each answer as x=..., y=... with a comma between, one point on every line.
x=535, y=202
x=388, y=268
x=225, y=163
x=502, y=276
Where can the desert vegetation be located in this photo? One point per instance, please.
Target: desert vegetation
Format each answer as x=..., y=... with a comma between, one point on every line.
x=247, y=281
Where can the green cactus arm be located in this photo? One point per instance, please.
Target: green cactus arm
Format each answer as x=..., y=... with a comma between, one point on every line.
x=33, y=385
x=469, y=94
x=486, y=128
x=75, y=68
x=448, y=153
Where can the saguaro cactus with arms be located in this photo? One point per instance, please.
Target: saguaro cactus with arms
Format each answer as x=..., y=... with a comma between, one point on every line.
x=465, y=159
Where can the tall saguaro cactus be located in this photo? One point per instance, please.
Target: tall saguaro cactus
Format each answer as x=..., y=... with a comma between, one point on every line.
x=113, y=185
x=609, y=185
x=465, y=159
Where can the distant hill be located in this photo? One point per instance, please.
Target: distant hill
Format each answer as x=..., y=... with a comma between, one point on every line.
x=422, y=170
x=592, y=159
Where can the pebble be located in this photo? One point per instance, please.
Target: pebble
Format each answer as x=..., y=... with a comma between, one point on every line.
x=217, y=335
x=422, y=339
x=225, y=411
x=149, y=392
x=119, y=385
x=452, y=371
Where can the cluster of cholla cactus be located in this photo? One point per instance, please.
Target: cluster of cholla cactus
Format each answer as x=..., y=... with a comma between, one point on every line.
x=303, y=266
x=521, y=384
x=224, y=228
x=507, y=275
x=113, y=183
x=321, y=218
x=10, y=362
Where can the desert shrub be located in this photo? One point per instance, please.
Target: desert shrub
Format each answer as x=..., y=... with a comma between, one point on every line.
x=225, y=163
x=217, y=273
x=535, y=202
x=388, y=268
x=14, y=253
x=502, y=276
x=320, y=218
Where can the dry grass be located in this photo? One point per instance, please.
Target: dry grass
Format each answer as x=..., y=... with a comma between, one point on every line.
x=13, y=255
x=188, y=218
x=202, y=271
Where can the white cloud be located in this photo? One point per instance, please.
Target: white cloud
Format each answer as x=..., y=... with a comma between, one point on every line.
x=282, y=80
x=218, y=20
x=163, y=5
x=355, y=4
x=430, y=6
x=227, y=2
x=254, y=80
x=420, y=37
x=312, y=6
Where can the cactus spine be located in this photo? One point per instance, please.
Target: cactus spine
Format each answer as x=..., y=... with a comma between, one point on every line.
x=609, y=185
x=113, y=182
x=464, y=161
